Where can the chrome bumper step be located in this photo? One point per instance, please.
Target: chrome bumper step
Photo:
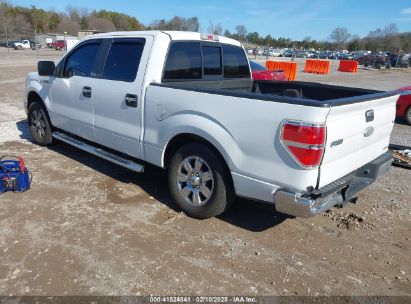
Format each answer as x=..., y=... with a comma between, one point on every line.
x=118, y=160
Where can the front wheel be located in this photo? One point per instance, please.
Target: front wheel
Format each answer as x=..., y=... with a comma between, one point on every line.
x=199, y=182
x=39, y=124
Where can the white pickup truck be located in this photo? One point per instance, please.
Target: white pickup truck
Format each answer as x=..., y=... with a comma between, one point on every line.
x=186, y=102
x=24, y=44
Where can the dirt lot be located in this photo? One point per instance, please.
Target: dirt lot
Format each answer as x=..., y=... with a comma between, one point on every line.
x=88, y=227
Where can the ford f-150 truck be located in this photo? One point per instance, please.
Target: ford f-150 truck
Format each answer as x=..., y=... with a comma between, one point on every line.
x=186, y=102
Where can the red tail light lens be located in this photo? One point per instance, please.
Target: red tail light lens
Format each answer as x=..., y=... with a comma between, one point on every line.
x=304, y=142
x=310, y=135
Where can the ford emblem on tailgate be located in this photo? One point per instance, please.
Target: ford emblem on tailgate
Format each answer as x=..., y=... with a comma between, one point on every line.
x=368, y=131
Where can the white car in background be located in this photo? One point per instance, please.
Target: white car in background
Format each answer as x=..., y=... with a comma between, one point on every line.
x=24, y=44
x=274, y=53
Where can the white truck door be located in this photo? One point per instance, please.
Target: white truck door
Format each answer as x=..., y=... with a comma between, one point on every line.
x=72, y=90
x=118, y=94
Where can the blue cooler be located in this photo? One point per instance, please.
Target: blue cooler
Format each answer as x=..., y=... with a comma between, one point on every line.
x=14, y=175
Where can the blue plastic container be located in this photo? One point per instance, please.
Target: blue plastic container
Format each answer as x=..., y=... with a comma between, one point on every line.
x=14, y=176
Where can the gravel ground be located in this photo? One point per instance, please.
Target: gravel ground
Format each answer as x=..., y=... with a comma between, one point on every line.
x=88, y=227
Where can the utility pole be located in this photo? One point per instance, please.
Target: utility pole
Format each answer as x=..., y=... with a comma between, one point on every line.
x=65, y=44
x=398, y=57
x=7, y=39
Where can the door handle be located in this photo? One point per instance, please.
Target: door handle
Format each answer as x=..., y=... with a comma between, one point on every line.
x=131, y=100
x=87, y=92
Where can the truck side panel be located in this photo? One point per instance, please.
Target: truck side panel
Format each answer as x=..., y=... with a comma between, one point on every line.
x=245, y=131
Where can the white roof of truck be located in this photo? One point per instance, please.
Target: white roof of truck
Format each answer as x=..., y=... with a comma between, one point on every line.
x=174, y=35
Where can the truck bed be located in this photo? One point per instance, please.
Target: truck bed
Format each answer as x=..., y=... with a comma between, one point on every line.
x=296, y=92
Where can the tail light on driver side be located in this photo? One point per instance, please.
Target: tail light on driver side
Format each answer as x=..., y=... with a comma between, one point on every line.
x=304, y=142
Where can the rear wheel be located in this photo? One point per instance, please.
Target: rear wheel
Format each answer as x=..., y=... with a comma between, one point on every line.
x=39, y=124
x=199, y=182
x=408, y=115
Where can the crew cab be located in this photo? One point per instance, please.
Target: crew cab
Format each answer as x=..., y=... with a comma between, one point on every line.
x=186, y=102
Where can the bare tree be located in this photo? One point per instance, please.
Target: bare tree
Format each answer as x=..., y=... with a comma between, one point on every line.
x=215, y=29
x=241, y=31
x=21, y=25
x=73, y=13
x=340, y=37
x=6, y=20
x=391, y=41
x=158, y=25
x=121, y=23
x=192, y=24
x=66, y=25
x=176, y=24
x=101, y=24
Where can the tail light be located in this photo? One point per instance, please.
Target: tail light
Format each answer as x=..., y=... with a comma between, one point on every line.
x=304, y=142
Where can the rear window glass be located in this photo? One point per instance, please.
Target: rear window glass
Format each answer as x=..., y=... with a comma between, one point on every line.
x=235, y=62
x=123, y=60
x=183, y=61
x=212, y=60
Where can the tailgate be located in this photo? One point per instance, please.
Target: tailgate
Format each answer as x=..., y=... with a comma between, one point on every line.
x=353, y=139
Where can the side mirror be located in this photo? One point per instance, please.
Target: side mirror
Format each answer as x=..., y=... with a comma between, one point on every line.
x=46, y=68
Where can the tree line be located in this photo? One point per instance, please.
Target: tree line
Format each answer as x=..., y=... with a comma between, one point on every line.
x=18, y=20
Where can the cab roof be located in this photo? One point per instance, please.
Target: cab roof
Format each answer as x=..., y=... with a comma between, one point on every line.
x=174, y=35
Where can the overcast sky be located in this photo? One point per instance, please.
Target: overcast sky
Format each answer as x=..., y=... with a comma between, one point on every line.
x=280, y=18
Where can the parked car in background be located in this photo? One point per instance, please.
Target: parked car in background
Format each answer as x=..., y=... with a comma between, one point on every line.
x=274, y=52
x=404, y=104
x=400, y=61
x=373, y=60
x=58, y=45
x=288, y=53
x=35, y=45
x=344, y=56
x=24, y=44
x=259, y=72
x=10, y=43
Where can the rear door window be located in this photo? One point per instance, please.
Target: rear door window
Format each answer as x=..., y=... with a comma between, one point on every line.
x=81, y=61
x=212, y=60
x=235, y=62
x=183, y=61
x=123, y=59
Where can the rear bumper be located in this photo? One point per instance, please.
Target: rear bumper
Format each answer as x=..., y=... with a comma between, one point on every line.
x=342, y=190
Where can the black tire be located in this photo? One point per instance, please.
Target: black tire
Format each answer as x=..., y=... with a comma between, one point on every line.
x=39, y=124
x=220, y=197
x=408, y=115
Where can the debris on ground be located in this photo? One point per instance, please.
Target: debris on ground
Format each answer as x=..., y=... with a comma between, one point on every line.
x=349, y=221
x=402, y=156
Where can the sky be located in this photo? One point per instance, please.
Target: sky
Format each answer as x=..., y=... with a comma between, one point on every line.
x=295, y=19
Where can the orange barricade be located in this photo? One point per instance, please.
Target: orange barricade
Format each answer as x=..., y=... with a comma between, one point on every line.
x=289, y=68
x=317, y=66
x=348, y=66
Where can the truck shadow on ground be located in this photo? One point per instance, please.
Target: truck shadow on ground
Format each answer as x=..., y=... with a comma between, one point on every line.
x=245, y=214
x=401, y=121
x=24, y=130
